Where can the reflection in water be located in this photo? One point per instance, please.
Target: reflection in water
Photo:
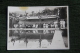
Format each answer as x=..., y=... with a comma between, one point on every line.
x=31, y=39
x=33, y=43
x=28, y=39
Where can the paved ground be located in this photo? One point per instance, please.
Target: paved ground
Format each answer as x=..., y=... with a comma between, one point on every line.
x=57, y=41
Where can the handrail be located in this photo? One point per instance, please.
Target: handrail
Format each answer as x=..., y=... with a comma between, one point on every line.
x=35, y=28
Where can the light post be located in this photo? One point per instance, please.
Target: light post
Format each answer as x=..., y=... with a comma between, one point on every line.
x=39, y=16
x=58, y=16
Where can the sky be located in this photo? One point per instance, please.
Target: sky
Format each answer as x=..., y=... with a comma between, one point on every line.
x=31, y=8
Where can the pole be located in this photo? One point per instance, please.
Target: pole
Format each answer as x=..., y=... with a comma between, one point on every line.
x=58, y=17
x=40, y=27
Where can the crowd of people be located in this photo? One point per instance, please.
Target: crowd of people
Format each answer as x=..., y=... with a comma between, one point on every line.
x=55, y=24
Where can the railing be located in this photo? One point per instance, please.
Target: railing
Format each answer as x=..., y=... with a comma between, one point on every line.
x=33, y=28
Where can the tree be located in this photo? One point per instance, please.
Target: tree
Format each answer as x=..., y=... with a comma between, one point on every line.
x=63, y=13
x=46, y=11
x=55, y=11
x=32, y=13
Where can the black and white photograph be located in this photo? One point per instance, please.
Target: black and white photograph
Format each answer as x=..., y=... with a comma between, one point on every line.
x=38, y=28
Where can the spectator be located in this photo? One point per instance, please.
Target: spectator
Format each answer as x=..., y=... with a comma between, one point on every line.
x=62, y=24
x=56, y=24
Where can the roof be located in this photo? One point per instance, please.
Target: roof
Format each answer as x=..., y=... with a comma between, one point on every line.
x=39, y=17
